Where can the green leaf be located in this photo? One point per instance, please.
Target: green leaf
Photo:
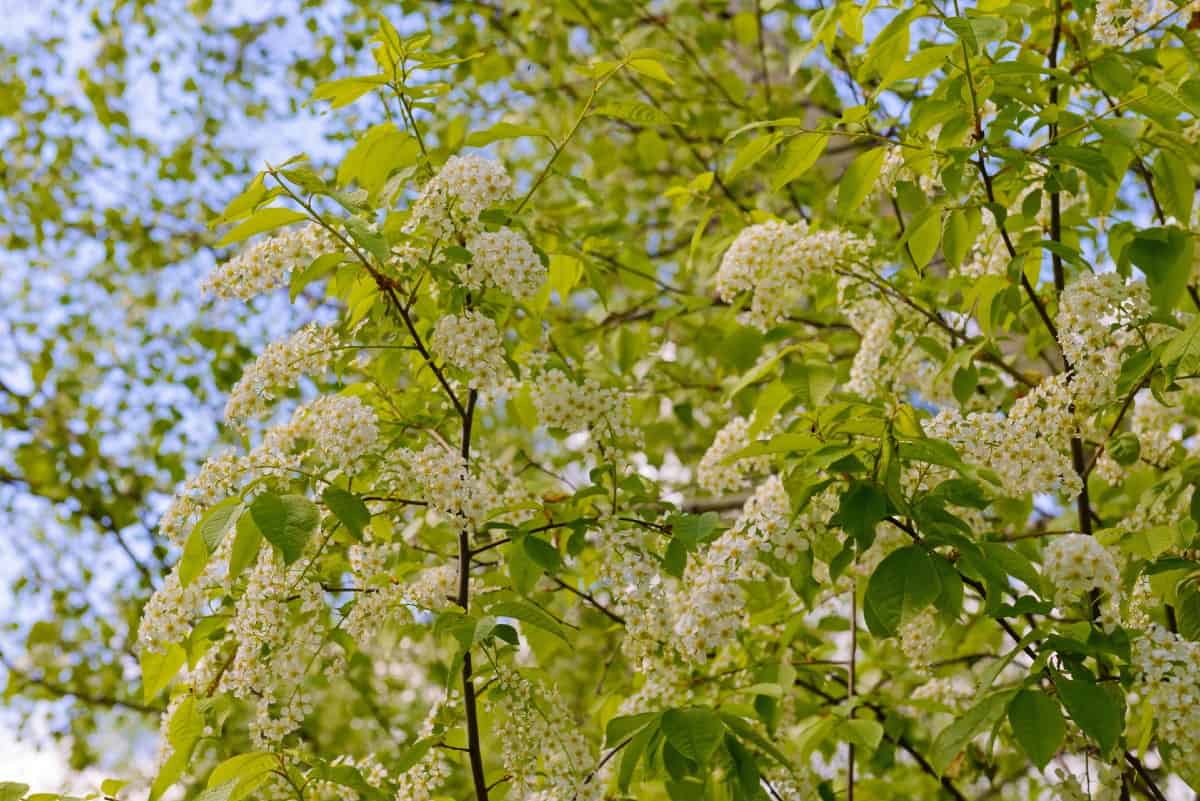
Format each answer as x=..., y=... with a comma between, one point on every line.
x=858, y=180
x=632, y=753
x=621, y=727
x=1124, y=448
x=13, y=791
x=1099, y=711
x=954, y=738
x=542, y=553
x=651, y=69
x=184, y=729
x=245, y=545
x=382, y=150
x=963, y=30
x=800, y=153
x=811, y=383
x=563, y=274
x=632, y=111
x=413, y=754
x=956, y=237
x=286, y=522
x=320, y=267
x=866, y=733
x=528, y=613
x=348, y=508
x=694, y=529
x=1176, y=187
x=344, y=91
x=262, y=220
x=750, y=734
x=1187, y=606
x=109, y=787
x=1182, y=352
x=905, y=582
x=158, y=668
x=362, y=233
x=218, y=520
x=924, y=234
x=750, y=154
x=1038, y=725
x=1165, y=256
x=695, y=732
x=194, y=557
x=244, y=773
x=505, y=130
x=863, y=505
x=254, y=195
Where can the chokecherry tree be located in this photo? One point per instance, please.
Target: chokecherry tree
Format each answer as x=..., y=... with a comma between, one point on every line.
x=710, y=401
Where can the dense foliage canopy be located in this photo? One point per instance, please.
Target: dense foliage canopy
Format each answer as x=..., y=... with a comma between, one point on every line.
x=662, y=400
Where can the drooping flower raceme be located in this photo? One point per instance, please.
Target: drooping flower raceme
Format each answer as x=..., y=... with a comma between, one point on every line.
x=1168, y=675
x=1076, y=564
x=1029, y=448
x=506, y=260
x=1119, y=21
x=309, y=350
x=1095, y=323
x=563, y=403
x=775, y=260
x=542, y=748
x=717, y=471
x=471, y=342
x=267, y=264
x=451, y=201
x=709, y=604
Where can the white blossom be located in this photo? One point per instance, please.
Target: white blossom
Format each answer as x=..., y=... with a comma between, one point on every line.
x=471, y=342
x=451, y=201
x=266, y=264
x=506, y=260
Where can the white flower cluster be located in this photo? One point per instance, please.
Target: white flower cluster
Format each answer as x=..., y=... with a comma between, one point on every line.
x=447, y=484
x=895, y=169
x=1076, y=564
x=709, y=607
x=945, y=690
x=472, y=343
x=167, y=617
x=989, y=257
x=717, y=472
x=309, y=350
x=423, y=781
x=775, y=261
x=1029, y=449
x=890, y=360
x=506, y=260
x=1163, y=504
x=335, y=430
x=434, y=589
x=380, y=598
x=1168, y=674
x=1106, y=786
x=562, y=403
x=792, y=786
x=868, y=373
x=1096, y=315
x=279, y=630
x=266, y=264
x=542, y=748
x=452, y=200
x=919, y=637
x=639, y=590
x=1118, y=22
x=339, y=430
